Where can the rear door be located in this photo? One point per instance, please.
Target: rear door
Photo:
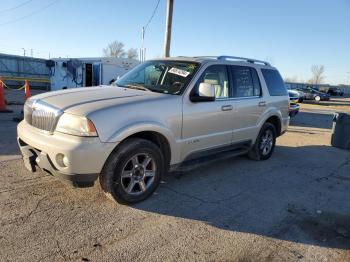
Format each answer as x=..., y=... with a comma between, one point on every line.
x=249, y=102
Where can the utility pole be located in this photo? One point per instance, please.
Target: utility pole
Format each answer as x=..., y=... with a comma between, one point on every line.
x=24, y=52
x=167, y=36
x=143, y=49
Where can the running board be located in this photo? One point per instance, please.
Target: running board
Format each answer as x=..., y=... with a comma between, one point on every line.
x=209, y=159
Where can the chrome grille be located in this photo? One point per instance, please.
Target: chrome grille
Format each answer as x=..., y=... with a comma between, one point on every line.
x=41, y=115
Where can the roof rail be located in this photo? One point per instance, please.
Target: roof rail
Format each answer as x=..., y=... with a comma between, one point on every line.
x=206, y=56
x=249, y=60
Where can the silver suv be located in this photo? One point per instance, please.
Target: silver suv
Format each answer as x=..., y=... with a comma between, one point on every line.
x=164, y=115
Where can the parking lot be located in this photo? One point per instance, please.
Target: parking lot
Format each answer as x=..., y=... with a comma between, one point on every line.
x=295, y=206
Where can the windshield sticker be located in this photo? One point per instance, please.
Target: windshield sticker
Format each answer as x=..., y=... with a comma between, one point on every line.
x=179, y=72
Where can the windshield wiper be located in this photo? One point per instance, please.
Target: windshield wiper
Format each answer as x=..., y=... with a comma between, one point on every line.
x=138, y=87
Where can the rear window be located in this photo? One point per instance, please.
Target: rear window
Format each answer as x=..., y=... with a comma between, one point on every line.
x=274, y=82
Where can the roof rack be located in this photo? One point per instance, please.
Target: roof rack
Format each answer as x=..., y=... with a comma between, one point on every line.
x=249, y=60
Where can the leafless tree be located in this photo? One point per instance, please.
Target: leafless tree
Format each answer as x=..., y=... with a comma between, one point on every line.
x=114, y=49
x=293, y=79
x=317, y=74
x=132, y=53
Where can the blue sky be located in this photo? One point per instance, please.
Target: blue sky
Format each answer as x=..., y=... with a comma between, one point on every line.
x=292, y=34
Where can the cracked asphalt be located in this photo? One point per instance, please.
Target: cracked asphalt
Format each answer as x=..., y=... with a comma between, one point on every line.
x=293, y=207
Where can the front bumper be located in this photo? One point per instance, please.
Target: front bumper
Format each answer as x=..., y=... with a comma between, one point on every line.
x=293, y=110
x=85, y=155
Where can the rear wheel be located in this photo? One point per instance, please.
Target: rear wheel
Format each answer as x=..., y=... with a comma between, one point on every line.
x=264, y=144
x=133, y=171
x=317, y=98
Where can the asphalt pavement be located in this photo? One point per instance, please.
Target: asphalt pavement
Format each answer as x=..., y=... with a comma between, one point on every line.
x=293, y=207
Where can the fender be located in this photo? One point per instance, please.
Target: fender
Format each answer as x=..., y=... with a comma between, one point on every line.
x=143, y=126
x=273, y=111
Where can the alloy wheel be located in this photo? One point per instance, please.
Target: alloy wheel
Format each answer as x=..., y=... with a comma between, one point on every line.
x=266, y=142
x=138, y=174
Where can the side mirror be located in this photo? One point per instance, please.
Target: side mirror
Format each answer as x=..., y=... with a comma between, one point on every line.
x=205, y=93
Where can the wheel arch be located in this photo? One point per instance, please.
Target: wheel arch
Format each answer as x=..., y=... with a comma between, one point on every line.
x=158, y=139
x=159, y=135
x=276, y=121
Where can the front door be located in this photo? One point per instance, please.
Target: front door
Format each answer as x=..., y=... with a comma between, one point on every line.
x=207, y=125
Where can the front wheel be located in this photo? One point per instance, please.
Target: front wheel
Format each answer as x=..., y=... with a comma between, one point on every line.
x=317, y=98
x=133, y=171
x=264, y=144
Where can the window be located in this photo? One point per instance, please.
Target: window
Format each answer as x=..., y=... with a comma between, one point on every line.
x=274, y=82
x=217, y=76
x=169, y=77
x=245, y=81
x=256, y=81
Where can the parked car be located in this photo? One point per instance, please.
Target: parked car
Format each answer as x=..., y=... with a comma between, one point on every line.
x=166, y=114
x=335, y=91
x=293, y=103
x=301, y=94
x=312, y=94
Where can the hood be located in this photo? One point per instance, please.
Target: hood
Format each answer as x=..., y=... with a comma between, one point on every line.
x=82, y=101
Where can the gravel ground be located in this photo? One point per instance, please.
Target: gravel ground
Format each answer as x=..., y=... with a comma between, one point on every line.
x=293, y=207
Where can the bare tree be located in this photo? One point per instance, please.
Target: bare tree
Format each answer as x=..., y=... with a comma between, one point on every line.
x=317, y=74
x=132, y=53
x=293, y=79
x=114, y=49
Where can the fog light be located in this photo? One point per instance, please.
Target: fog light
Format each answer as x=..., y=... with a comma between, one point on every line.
x=62, y=160
x=65, y=161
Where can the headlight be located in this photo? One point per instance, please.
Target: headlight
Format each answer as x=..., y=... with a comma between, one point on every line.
x=75, y=125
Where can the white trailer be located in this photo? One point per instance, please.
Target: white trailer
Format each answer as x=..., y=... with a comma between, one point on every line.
x=81, y=72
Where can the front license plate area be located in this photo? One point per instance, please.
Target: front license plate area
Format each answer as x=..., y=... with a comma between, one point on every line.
x=28, y=159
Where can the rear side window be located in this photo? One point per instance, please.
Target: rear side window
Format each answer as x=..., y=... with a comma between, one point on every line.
x=245, y=82
x=274, y=82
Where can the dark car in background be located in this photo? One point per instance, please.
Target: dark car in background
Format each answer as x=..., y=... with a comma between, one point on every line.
x=335, y=91
x=313, y=94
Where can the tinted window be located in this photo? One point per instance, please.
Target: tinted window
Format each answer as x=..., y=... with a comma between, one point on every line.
x=257, y=86
x=274, y=82
x=217, y=76
x=245, y=82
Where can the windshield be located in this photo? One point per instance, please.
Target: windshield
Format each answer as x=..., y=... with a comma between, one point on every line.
x=168, y=77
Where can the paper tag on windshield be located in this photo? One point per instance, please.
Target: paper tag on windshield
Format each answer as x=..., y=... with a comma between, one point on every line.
x=179, y=72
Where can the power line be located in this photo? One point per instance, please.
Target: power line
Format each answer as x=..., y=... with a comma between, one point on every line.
x=143, y=49
x=15, y=7
x=154, y=12
x=30, y=14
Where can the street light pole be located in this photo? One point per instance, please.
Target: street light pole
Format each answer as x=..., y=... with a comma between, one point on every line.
x=167, y=36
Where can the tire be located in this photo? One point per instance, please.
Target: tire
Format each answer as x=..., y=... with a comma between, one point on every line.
x=256, y=152
x=301, y=100
x=317, y=98
x=125, y=169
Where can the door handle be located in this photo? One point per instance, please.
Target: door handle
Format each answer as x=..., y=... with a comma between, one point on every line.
x=262, y=103
x=226, y=108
